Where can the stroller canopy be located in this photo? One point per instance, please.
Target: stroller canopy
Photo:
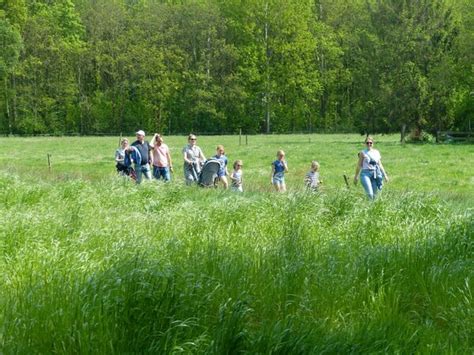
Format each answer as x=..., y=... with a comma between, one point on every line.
x=209, y=173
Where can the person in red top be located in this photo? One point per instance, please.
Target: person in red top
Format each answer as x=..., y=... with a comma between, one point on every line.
x=162, y=164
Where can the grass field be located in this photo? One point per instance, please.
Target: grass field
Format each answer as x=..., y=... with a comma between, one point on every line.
x=94, y=264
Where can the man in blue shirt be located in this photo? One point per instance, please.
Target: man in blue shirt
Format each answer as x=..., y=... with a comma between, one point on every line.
x=142, y=167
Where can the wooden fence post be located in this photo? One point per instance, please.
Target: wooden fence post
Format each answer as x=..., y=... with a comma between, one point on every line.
x=49, y=162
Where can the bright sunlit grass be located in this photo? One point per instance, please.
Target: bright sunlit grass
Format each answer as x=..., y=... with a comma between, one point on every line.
x=94, y=264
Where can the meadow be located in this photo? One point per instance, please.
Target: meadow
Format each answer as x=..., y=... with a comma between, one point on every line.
x=92, y=263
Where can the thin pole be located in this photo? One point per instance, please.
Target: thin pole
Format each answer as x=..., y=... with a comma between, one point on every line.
x=49, y=162
x=346, y=181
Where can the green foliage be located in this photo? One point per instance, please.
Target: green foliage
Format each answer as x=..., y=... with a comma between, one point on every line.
x=219, y=66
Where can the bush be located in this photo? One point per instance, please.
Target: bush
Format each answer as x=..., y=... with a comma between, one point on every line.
x=419, y=136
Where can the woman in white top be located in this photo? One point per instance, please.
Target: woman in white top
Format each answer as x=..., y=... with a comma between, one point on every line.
x=371, y=169
x=193, y=160
x=120, y=157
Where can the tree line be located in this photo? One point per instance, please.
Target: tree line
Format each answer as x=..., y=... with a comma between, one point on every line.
x=217, y=66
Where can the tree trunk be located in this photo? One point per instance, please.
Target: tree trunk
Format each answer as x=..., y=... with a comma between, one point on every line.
x=267, y=69
x=7, y=106
x=403, y=133
x=14, y=108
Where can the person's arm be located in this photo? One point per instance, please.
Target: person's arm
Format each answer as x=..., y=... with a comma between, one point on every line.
x=170, y=163
x=118, y=158
x=185, y=157
x=150, y=154
x=285, y=165
x=384, y=173
x=359, y=166
x=201, y=155
x=225, y=168
x=273, y=173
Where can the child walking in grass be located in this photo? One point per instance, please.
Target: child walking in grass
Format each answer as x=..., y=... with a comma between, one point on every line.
x=279, y=168
x=312, y=179
x=223, y=172
x=236, y=177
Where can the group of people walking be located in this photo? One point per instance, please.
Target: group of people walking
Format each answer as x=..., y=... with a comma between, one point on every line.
x=153, y=160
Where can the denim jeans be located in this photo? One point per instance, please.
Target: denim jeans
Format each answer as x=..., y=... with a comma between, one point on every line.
x=142, y=169
x=161, y=172
x=368, y=181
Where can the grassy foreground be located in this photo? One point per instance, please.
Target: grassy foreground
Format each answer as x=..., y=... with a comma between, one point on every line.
x=98, y=265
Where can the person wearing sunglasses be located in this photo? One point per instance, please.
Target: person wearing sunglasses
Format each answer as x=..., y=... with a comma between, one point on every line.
x=370, y=169
x=193, y=160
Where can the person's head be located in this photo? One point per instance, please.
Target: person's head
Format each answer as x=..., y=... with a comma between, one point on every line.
x=140, y=135
x=314, y=165
x=238, y=164
x=192, y=139
x=124, y=143
x=158, y=138
x=369, y=142
x=220, y=150
x=281, y=155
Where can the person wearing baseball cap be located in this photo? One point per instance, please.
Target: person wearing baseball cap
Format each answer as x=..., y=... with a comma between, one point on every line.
x=142, y=167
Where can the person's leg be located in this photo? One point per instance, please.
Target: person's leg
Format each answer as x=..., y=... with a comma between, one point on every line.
x=147, y=171
x=188, y=176
x=375, y=188
x=277, y=182
x=366, y=181
x=138, y=172
x=283, y=186
x=156, y=172
x=165, y=173
x=224, y=181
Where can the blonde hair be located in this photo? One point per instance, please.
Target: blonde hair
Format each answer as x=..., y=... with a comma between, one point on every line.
x=237, y=162
x=123, y=141
x=220, y=147
x=191, y=136
x=280, y=152
x=315, y=165
x=369, y=138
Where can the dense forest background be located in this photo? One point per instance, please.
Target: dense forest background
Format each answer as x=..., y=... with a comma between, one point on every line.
x=215, y=66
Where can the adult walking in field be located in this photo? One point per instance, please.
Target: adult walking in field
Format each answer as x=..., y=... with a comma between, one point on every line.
x=162, y=164
x=193, y=160
x=142, y=164
x=122, y=169
x=371, y=169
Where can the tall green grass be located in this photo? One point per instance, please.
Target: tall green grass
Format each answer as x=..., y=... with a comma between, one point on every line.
x=442, y=169
x=104, y=266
